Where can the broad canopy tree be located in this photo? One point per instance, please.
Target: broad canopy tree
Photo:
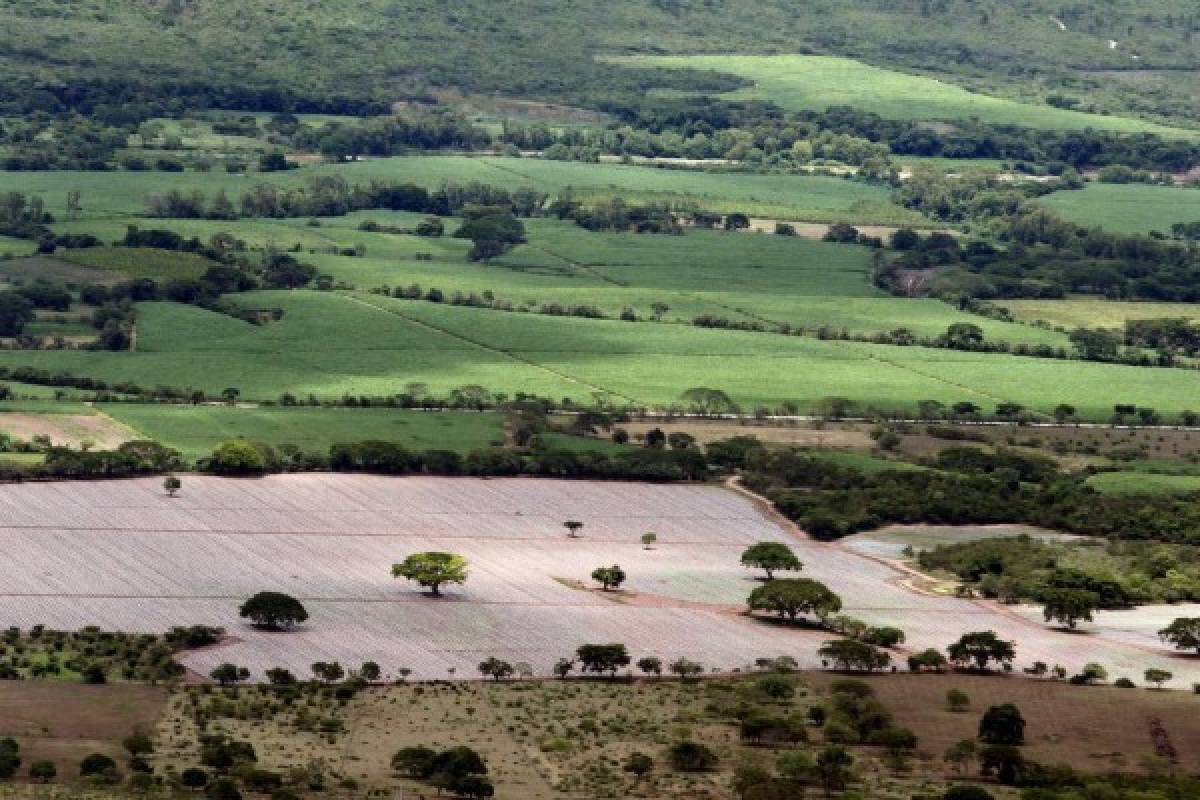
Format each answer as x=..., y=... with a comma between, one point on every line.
x=432, y=570
x=1069, y=606
x=1183, y=633
x=770, y=557
x=791, y=597
x=981, y=648
x=274, y=611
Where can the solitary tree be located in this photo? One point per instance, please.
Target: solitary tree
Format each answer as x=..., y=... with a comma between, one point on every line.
x=833, y=768
x=961, y=754
x=957, y=700
x=172, y=485
x=981, y=648
x=42, y=771
x=792, y=597
x=770, y=557
x=432, y=570
x=1002, y=724
x=850, y=654
x=573, y=527
x=1069, y=606
x=650, y=665
x=229, y=674
x=609, y=577
x=273, y=610
x=639, y=764
x=603, y=657
x=1158, y=677
x=1183, y=633
x=685, y=668
x=707, y=402
x=495, y=668
x=648, y=540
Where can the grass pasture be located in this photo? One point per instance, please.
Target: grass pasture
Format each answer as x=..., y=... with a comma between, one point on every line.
x=396, y=342
x=1084, y=311
x=1126, y=208
x=117, y=196
x=196, y=430
x=818, y=82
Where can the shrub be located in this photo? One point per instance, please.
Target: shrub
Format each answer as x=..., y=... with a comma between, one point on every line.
x=237, y=458
x=689, y=756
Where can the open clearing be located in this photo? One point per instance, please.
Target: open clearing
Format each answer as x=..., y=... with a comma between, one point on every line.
x=1127, y=208
x=63, y=722
x=70, y=430
x=818, y=82
x=123, y=556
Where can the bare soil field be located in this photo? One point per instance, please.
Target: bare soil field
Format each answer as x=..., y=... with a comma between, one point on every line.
x=1083, y=727
x=63, y=722
x=123, y=556
x=72, y=430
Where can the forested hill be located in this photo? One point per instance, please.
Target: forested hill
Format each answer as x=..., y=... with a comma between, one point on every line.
x=336, y=55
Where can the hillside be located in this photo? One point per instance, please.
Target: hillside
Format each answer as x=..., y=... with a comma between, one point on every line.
x=1127, y=57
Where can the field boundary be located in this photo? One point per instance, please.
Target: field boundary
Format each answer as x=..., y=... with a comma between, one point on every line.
x=495, y=350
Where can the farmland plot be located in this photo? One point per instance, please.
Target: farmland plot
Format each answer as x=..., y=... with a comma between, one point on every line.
x=123, y=556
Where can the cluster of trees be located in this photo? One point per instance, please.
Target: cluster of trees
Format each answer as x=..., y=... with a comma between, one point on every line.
x=334, y=196
x=831, y=502
x=1021, y=568
x=459, y=770
x=1044, y=255
x=433, y=129
x=241, y=457
x=617, y=215
x=708, y=127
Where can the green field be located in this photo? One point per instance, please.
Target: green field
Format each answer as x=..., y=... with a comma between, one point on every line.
x=818, y=82
x=117, y=196
x=1127, y=208
x=1143, y=483
x=196, y=430
x=329, y=344
x=1085, y=311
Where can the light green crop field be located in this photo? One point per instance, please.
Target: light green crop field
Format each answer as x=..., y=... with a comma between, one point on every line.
x=1127, y=208
x=196, y=430
x=1143, y=483
x=16, y=247
x=739, y=276
x=1085, y=311
x=117, y=196
x=818, y=82
x=329, y=344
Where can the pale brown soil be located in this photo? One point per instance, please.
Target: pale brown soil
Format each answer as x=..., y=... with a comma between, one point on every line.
x=1082, y=726
x=102, y=431
x=63, y=722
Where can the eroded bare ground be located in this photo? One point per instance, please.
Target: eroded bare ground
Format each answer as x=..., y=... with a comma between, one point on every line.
x=75, y=430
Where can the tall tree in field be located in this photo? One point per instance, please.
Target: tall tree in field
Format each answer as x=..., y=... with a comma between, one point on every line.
x=771, y=556
x=573, y=527
x=432, y=570
x=602, y=657
x=981, y=648
x=1183, y=633
x=273, y=610
x=792, y=597
x=1069, y=606
x=609, y=577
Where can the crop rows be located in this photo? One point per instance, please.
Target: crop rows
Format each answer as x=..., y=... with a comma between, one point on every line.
x=123, y=556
